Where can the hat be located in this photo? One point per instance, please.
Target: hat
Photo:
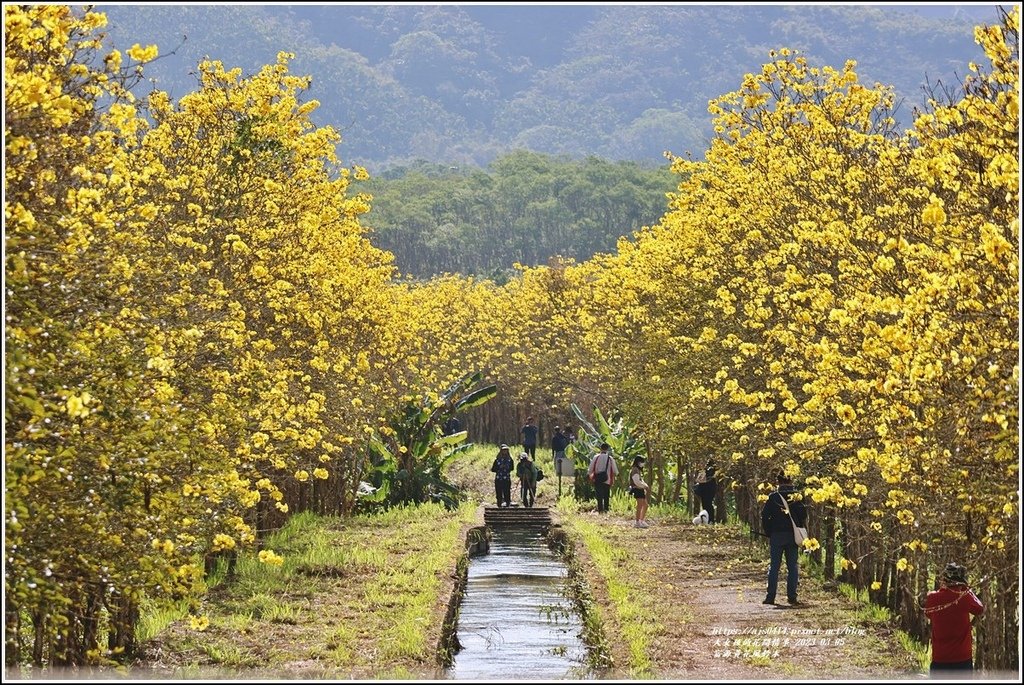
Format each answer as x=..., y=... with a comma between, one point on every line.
x=955, y=573
x=524, y=455
x=504, y=446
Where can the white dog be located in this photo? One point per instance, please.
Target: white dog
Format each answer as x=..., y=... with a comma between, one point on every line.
x=701, y=518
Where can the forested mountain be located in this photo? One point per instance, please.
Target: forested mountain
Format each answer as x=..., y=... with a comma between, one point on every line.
x=462, y=85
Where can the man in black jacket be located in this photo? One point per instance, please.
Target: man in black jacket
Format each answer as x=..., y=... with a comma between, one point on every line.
x=782, y=504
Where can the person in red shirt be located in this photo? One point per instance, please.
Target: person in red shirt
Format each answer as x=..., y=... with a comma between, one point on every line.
x=950, y=609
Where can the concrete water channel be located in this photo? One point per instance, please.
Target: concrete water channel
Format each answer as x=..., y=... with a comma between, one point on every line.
x=517, y=620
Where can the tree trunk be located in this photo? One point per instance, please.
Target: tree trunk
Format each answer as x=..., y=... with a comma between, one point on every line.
x=12, y=634
x=829, y=536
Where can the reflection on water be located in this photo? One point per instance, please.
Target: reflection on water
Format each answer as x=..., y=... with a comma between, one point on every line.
x=515, y=622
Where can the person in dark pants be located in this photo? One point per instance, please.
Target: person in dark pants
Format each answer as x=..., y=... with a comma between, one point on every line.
x=526, y=471
x=529, y=432
x=558, y=444
x=706, y=489
x=950, y=610
x=777, y=526
x=710, y=477
x=502, y=469
x=602, y=472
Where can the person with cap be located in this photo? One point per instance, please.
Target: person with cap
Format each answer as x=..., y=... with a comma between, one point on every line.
x=782, y=505
x=502, y=469
x=640, y=490
x=526, y=471
x=950, y=609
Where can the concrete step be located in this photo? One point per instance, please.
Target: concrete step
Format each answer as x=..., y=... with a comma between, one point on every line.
x=517, y=516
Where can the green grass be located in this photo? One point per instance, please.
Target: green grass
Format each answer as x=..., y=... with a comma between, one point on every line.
x=340, y=644
x=226, y=654
x=921, y=652
x=156, y=616
x=358, y=596
x=867, y=611
x=870, y=613
x=628, y=594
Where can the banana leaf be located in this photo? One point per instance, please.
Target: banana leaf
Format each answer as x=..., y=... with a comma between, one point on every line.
x=477, y=397
x=604, y=430
x=586, y=424
x=381, y=450
x=449, y=440
x=376, y=495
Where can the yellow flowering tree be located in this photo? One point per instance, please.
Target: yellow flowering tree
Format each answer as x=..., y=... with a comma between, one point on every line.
x=836, y=299
x=197, y=330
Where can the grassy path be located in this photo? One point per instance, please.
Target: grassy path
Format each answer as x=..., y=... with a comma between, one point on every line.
x=361, y=598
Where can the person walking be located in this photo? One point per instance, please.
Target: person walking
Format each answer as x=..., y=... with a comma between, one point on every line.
x=558, y=444
x=706, y=489
x=529, y=432
x=640, y=490
x=950, y=609
x=502, y=469
x=784, y=503
x=602, y=472
x=526, y=471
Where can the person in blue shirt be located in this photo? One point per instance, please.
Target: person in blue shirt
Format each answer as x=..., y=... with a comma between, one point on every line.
x=529, y=432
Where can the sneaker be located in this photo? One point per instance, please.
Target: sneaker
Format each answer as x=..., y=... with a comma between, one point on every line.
x=767, y=601
x=638, y=525
x=643, y=524
x=792, y=600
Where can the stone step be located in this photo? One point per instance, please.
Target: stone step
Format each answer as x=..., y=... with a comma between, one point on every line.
x=517, y=516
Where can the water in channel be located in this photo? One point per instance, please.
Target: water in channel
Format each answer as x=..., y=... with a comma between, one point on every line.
x=515, y=621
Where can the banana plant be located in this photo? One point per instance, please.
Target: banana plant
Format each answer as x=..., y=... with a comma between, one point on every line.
x=408, y=465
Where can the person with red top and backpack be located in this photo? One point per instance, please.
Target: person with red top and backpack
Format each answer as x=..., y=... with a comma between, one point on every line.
x=950, y=609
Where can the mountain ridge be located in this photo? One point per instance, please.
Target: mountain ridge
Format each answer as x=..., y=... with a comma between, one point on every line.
x=466, y=84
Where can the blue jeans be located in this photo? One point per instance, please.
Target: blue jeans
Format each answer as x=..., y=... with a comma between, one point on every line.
x=779, y=544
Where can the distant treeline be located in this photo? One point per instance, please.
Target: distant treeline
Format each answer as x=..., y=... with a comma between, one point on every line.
x=525, y=207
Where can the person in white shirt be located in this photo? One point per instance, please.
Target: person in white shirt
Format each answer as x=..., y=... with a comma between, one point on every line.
x=602, y=472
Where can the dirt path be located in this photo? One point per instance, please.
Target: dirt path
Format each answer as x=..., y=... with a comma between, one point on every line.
x=709, y=582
